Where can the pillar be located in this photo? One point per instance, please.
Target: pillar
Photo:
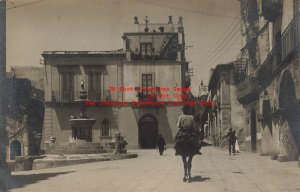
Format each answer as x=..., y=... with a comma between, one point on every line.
x=287, y=148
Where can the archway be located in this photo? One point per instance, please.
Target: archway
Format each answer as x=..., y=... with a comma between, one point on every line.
x=148, y=131
x=287, y=97
x=287, y=93
x=253, y=130
x=15, y=149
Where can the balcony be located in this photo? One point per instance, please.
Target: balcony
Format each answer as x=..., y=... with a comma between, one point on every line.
x=290, y=39
x=71, y=96
x=150, y=96
x=266, y=70
x=271, y=9
x=247, y=90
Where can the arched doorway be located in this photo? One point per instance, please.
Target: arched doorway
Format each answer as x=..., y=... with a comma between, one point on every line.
x=15, y=149
x=148, y=131
x=253, y=130
x=287, y=97
x=287, y=94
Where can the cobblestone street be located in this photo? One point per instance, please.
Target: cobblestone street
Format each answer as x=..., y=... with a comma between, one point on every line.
x=214, y=171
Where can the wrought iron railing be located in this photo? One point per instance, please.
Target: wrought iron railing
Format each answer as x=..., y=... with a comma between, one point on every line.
x=70, y=96
x=291, y=37
x=268, y=67
x=247, y=88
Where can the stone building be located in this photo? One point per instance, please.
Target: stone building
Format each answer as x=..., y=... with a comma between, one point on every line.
x=269, y=84
x=24, y=120
x=152, y=57
x=224, y=112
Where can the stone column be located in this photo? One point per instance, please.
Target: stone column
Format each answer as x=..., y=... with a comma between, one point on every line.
x=287, y=148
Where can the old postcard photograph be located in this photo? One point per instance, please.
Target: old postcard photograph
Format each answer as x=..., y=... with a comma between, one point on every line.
x=149, y=95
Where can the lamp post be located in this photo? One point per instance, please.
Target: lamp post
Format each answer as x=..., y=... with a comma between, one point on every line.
x=4, y=171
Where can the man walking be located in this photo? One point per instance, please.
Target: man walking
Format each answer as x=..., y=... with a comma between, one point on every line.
x=231, y=138
x=161, y=144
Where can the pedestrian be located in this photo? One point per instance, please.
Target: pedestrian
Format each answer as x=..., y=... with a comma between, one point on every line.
x=187, y=141
x=237, y=147
x=231, y=141
x=161, y=144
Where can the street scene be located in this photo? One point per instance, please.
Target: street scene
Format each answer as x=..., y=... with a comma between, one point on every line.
x=160, y=95
x=212, y=171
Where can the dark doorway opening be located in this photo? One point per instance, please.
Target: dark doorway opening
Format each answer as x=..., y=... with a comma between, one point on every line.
x=253, y=130
x=148, y=132
x=287, y=98
x=15, y=149
x=82, y=133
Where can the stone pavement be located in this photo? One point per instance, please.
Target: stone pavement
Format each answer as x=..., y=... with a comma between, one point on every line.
x=214, y=171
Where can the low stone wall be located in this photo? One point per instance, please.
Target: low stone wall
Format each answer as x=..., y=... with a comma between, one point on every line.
x=23, y=163
x=51, y=162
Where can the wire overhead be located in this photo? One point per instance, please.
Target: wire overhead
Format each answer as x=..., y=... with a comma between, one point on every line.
x=220, y=40
x=184, y=9
x=222, y=50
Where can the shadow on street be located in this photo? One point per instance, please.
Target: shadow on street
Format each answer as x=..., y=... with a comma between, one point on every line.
x=199, y=179
x=19, y=181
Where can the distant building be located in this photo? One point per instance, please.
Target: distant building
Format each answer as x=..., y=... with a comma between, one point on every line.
x=36, y=77
x=225, y=112
x=24, y=121
x=153, y=56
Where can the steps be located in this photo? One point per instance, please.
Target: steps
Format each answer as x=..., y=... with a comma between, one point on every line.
x=76, y=148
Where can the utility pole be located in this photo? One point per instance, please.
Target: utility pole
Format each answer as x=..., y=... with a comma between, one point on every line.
x=4, y=170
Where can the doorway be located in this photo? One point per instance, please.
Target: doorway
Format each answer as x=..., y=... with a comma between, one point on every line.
x=15, y=149
x=287, y=101
x=148, y=131
x=253, y=130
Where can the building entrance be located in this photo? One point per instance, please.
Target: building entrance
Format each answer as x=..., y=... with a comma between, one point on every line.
x=148, y=132
x=82, y=133
x=15, y=149
x=287, y=102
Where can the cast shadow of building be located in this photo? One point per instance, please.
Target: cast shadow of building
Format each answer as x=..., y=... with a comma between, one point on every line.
x=20, y=181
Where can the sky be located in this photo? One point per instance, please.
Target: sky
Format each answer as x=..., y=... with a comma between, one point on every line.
x=212, y=28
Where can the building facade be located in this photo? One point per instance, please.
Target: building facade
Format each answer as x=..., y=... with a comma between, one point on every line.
x=152, y=57
x=24, y=120
x=269, y=83
x=225, y=112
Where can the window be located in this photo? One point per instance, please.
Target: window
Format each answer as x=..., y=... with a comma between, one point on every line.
x=105, y=128
x=146, y=81
x=146, y=49
x=94, y=85
x=67, y=86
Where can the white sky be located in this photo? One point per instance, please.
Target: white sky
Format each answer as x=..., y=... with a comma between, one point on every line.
x=34, y=26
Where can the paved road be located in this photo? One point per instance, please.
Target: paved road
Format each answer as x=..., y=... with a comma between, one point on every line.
x=214, y=171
